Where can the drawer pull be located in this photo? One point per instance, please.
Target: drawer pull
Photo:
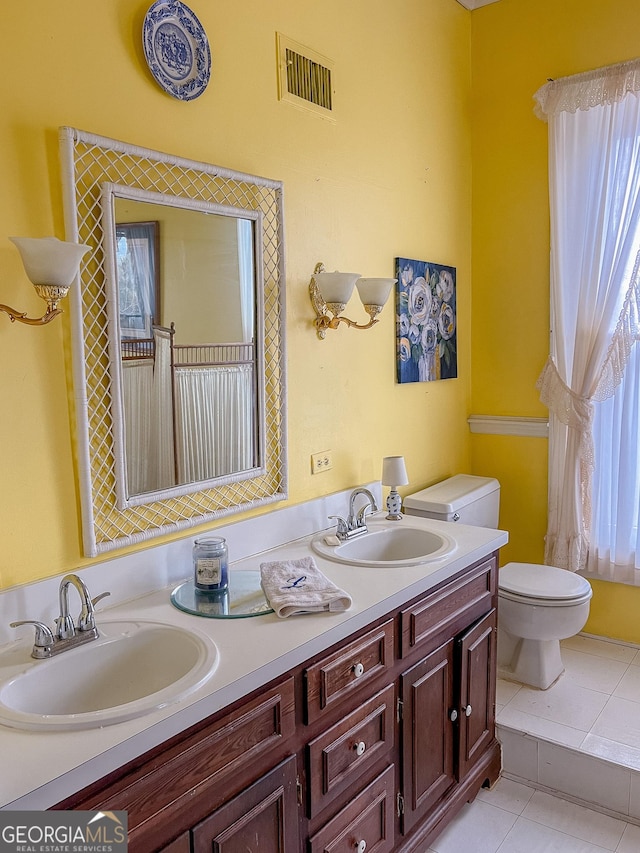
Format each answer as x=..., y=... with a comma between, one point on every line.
x=360, y=747
x=358, y=670
x=360, y=846
x=468, y=710
x=453, y=715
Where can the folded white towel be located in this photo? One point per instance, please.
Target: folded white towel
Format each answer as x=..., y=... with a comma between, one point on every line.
x=298, y=586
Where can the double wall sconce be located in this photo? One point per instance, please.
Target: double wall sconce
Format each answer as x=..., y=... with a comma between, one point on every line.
x=330, y=292
x=51, y=265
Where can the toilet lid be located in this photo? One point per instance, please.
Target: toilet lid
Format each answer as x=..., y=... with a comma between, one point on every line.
x=538, y=581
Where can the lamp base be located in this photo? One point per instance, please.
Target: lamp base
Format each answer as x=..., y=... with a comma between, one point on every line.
x=394, y=505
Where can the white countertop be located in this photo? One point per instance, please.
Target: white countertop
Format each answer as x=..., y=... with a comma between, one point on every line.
x=39, y=769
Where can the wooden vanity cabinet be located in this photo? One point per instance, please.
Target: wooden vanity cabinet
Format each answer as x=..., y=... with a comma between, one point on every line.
x=373, y=745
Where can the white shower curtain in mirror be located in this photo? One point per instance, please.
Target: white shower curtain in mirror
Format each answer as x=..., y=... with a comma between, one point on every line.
x=148, y=419
x=214, y=421
x=594, y=183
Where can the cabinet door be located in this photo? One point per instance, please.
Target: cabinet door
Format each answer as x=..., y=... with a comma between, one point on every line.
x=477, y=649
x=262, y=819
x=426, y=690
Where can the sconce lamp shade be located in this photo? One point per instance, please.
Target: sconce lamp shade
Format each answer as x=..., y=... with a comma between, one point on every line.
x=394, y=471
x=49, y=261
x=336, y=287
x=374, y=291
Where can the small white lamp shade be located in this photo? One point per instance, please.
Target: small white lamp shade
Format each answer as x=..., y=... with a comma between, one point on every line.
x=336, y=287
x=375, y=291
x=394, y=471
x=50, y=261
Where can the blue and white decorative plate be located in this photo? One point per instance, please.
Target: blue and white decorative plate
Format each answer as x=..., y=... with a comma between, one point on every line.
x=176, y=49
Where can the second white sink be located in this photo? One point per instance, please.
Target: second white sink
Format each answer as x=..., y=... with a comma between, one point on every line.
x=134, y=667
x=388, y=545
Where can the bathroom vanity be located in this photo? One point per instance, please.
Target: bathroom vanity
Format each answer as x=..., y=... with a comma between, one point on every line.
x=372, y=744
x=359, y=730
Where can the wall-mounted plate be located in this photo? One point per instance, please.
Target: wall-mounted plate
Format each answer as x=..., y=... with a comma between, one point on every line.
x=176, y=49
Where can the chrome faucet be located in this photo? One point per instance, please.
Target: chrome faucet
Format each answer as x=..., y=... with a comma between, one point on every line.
x=355, y=525
x=68, y=635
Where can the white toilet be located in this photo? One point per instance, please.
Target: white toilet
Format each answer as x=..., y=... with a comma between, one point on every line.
x=538, y=605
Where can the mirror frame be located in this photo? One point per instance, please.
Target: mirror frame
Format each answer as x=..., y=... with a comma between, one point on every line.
x=89, y=163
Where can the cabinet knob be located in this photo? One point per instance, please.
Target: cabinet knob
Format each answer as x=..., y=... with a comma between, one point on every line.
x=358, y=670
x=361, y=846
x=360, y=747
x=453, y=715
x=468, y=710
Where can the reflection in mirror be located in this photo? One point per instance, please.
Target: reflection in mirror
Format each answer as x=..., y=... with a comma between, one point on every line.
x=183, y=296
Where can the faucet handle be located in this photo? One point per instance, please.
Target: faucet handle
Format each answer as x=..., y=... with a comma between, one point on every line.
x=98, y=598
x=44, y=636
x=343, y=527
x=87, y=622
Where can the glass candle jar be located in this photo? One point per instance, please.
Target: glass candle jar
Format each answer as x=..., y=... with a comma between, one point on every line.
x=210, y=564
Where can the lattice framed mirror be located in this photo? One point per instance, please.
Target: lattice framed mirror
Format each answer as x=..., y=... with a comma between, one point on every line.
x=180, y=393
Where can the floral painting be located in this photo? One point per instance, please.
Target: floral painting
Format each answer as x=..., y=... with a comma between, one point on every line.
x=425, y=321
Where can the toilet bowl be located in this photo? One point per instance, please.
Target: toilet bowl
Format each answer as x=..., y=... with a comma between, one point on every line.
x=537, y=605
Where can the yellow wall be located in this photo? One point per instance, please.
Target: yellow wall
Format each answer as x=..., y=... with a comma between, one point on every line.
x=392, y=176
x=516, y=46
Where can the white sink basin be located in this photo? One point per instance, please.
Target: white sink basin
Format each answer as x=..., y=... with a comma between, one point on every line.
x=134, y=667
x=388, y=545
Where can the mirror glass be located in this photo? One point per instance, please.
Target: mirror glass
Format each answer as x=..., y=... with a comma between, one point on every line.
x=183, y=298
x=178, y=339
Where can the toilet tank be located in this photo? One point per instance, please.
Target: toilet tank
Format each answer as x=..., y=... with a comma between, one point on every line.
x=464, y=498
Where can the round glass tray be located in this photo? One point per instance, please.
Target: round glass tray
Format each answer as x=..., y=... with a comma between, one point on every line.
x=243, y=598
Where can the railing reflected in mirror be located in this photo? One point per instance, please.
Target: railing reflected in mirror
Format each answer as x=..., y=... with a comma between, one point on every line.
x=178, y=339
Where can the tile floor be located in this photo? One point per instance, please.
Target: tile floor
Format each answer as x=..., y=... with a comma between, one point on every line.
x=593, y=707
x=514, y=818
x=580, y=738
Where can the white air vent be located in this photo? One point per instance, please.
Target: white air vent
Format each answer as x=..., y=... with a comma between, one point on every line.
x=305, y=78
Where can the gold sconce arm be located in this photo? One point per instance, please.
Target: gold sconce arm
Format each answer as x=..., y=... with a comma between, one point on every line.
x=51, y=266
x=329, y=314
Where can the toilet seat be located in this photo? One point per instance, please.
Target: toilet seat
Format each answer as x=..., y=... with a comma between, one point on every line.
x=542, y=585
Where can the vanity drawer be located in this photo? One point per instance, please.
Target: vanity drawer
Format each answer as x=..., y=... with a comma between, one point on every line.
x=442, y=614
x=339, y=757
x=348, y=671
x=192, y=778
x=367, y=823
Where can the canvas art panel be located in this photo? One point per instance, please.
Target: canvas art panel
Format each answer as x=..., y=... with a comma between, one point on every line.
x=426, y=332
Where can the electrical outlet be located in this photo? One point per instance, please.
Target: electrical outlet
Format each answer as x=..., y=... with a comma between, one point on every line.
x=321, y=462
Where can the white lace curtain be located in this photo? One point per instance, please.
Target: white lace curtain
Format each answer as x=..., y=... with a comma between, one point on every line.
x=594, y=188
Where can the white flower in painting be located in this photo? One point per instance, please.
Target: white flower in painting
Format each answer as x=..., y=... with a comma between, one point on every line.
x=419, y=301
x=406, y=276
x=429, y=336
x=444, y=287
x=446, y=322
x=403, y=325
x=414, y=333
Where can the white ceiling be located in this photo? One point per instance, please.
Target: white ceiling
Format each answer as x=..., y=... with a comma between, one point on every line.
x=475, y=4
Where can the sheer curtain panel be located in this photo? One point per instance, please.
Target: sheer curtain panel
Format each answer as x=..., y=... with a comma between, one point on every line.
x=594, y=193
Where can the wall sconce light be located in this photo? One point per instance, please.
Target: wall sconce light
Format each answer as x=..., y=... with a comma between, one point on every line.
x=394, y=473
x=330, y=292
x=51, y=265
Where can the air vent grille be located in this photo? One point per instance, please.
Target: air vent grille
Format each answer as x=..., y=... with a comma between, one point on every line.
x=304, y=77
